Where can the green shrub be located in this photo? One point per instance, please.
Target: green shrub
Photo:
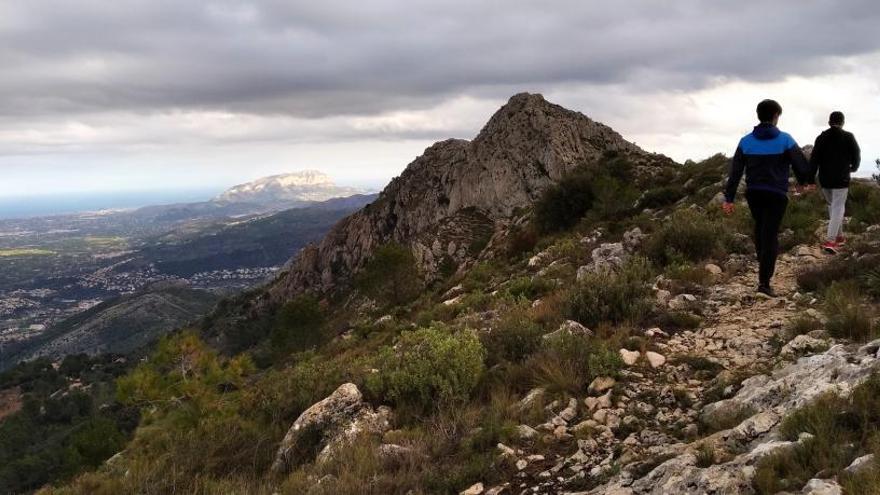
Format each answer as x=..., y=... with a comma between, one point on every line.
x=514, y=337
x=687, y=235
x=568, y=363
x=391, y=276
x=428, y=367
x=562, y=205
x=800, y=325
x=848, y=316
x=802, y=216
x=528, y=287
x=604, y=189
x=612, y=297
x=659, y=197
x=863, y=204
x=297, y=325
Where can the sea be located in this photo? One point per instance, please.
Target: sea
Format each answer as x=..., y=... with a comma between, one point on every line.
x=61, y=204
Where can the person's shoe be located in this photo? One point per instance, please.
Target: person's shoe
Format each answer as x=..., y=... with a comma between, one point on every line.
x=841, y=240
x=766, y=290
x=831, y=247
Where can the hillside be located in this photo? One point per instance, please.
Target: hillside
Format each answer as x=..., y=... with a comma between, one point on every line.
x=260, y=242
x=120, y=325
x=586, y=324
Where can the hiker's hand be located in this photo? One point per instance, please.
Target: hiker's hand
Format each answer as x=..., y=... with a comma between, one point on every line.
x=798, y=189
x=728, y=207
x=810, y=188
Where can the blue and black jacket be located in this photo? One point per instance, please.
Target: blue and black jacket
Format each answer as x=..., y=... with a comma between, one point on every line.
x=765, y=155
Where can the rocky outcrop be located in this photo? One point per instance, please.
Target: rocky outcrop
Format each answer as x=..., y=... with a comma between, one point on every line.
x=327, y=426
x=450, y=201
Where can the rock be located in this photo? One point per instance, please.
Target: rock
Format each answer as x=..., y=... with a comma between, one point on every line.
x=656, y=333
x=327, y=425
x=391, y=451
x=633, y=238
x=526, y=432
x=570, y=411
x=682, y=301
x=454, y=300
x=531, y=398
x=863, y=462
x=600, y=384
x=475, y=489
x=822, y=487
x=656, y=360
x=662, y=297
x=522, y=464
x=803, y=344
x=498, y=490
x=713, y=269
x=569, y=327
x=629, y=357
x=383, y=320
x=604, y=401
x=600, y=416
x=506, y=451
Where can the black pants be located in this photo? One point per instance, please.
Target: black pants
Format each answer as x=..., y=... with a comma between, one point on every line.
x=767, y=210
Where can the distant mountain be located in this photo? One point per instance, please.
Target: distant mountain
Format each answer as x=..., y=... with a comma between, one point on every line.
x=119, y=325
x=304, y=186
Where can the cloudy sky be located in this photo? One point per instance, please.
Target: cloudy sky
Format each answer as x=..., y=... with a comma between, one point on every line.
x=140, y=95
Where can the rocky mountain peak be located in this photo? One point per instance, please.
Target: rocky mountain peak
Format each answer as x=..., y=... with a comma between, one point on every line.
x=458, y=191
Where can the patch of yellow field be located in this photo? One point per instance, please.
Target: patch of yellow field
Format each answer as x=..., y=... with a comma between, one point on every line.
x=19, y=252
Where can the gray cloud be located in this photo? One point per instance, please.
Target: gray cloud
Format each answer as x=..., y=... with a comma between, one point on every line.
x=334, y=57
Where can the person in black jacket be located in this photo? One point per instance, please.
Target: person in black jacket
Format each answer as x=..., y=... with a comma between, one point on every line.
x=765, y=155
x=835, y=155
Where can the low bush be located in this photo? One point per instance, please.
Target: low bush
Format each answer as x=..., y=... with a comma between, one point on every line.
x=514, y=337
x=612, y=297
x=568, y=363
x=848, y=316
x=800, y=325
x=297, y=325
x=603, y=189
x=688, y=235
x=428, y=367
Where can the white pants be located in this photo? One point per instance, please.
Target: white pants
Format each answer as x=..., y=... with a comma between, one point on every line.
x=836, y=199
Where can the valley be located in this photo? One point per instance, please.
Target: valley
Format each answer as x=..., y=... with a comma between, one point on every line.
x=53, y=268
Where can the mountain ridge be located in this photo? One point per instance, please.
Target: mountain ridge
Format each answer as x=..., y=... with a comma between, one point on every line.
x=528, y=144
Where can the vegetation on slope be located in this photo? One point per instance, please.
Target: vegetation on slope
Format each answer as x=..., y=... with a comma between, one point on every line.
x=453, y=359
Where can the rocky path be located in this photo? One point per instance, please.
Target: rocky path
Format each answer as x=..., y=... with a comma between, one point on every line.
x=722, y=388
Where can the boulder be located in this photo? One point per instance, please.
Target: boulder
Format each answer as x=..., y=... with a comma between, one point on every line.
x=822, y=487
x=569, y=327
x=475, y=489
x=657, y=360
x=803, y=344
x=600, y=384
x=629, y=357
x=327, y=425
x=713, y=269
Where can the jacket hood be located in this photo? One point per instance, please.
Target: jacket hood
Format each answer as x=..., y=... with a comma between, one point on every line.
x=765, y=131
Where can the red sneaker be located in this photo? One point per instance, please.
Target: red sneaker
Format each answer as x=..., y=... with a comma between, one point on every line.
x=841, y=240
x=831, y=247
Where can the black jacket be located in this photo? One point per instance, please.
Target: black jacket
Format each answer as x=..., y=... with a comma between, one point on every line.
x=835, y=155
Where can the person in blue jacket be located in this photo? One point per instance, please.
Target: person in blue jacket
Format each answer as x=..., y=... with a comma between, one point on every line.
x=765, y=155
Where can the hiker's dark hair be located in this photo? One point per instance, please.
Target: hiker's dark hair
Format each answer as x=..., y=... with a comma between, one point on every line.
x=768, y=109
x=836, y=118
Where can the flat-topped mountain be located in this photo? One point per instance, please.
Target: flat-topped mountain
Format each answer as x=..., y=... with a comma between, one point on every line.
x=302, y=186
x=459, y=192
